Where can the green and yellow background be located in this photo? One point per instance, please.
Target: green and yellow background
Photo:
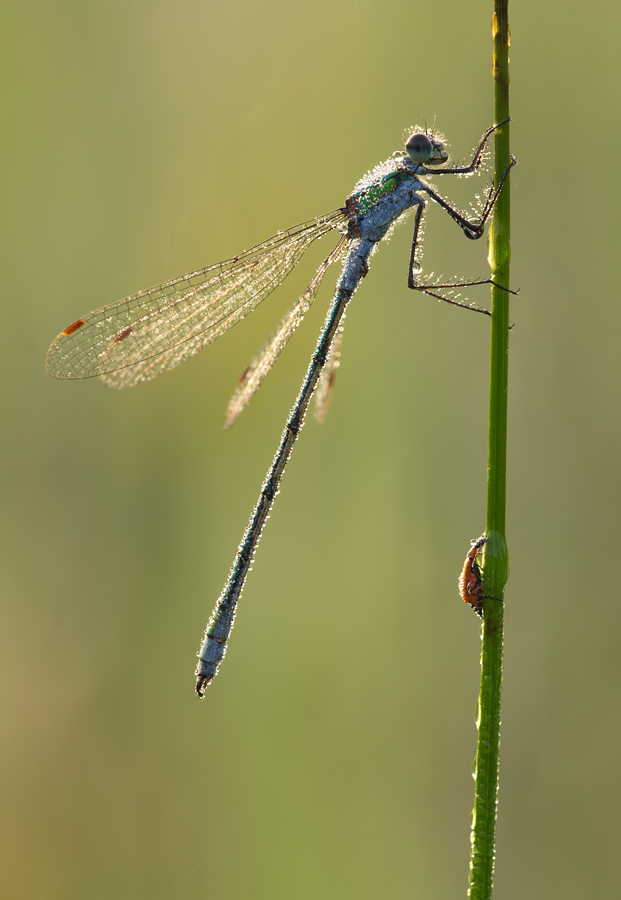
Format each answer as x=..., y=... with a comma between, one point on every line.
x=332, y=755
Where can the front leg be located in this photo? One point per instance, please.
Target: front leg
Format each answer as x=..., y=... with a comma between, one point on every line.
x=476, y=159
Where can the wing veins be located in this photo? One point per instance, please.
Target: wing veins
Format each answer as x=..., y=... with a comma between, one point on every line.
x=108, y=332
x=263, y=361
x=118, y=374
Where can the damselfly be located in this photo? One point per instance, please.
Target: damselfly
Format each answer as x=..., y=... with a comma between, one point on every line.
x=150, y=332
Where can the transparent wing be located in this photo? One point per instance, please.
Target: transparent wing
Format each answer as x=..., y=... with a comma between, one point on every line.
x=325, y=385
x=264, y=359
x=155, y=330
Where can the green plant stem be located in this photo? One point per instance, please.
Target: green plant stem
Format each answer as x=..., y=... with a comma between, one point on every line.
x=496, y=557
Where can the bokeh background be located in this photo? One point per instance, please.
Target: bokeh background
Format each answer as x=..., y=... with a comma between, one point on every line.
x=332, y=755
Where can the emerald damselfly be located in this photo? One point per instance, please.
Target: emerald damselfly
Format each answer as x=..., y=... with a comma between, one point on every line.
x=148, y=333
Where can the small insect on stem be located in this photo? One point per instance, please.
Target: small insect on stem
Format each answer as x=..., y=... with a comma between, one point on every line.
x=470, y=581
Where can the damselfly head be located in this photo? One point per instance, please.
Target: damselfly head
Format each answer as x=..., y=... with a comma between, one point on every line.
x=423, y=147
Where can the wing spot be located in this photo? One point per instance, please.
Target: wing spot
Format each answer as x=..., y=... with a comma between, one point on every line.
x=71, y=328
x=122, y=334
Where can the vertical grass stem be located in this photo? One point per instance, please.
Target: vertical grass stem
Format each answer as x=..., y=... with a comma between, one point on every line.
x=496, y=557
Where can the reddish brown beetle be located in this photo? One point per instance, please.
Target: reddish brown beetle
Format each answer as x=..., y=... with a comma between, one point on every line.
x=470, y=581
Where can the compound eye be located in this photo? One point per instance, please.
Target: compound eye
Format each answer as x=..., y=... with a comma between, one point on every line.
x=418, y=147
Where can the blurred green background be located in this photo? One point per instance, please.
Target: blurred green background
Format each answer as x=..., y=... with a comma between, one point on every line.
x=332, y=755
